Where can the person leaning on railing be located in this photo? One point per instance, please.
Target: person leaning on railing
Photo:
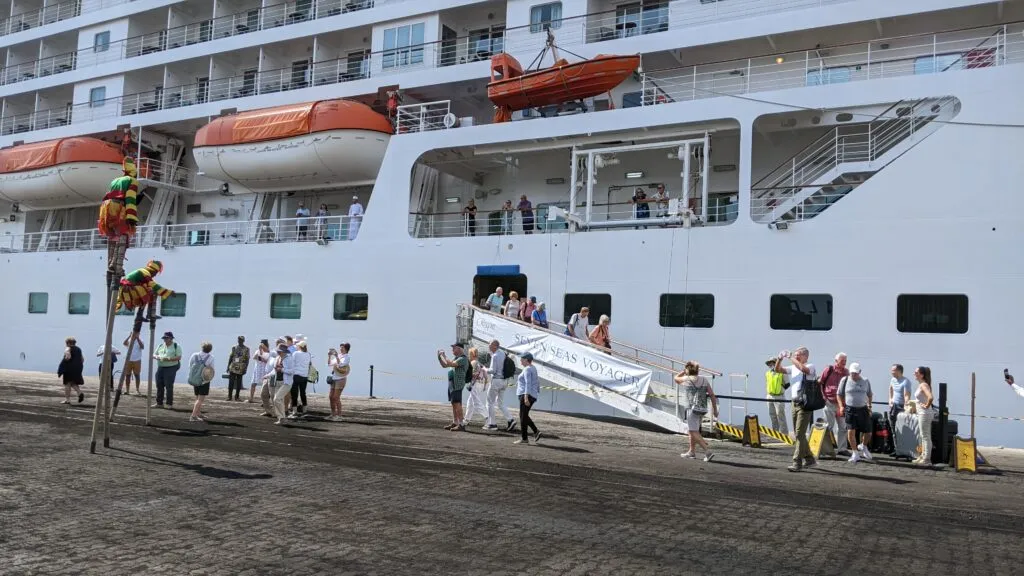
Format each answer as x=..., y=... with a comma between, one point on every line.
x=601, y=334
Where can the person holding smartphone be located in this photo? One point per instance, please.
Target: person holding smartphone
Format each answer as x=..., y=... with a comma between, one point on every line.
x=1009, y=380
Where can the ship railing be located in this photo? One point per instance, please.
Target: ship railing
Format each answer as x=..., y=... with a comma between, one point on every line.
x=50, y=14
x=663, y=395
x=316, y=229
x=38, y=68
x=41, y=120
x=425, y=117
x=160, y=172
x=887, y=58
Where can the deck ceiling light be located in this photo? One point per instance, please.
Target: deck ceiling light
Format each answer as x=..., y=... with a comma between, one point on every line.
x=452, y=199
x=634, y=175
x=779, y=60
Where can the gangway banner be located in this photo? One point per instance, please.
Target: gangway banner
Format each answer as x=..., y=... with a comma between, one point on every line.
x=565, y=354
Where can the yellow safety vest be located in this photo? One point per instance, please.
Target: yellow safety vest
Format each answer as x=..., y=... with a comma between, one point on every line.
x=774, y=381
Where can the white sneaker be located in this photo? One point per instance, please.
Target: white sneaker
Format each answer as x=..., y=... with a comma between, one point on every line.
x=688, y=455
x=855, y=458
x=864, y=452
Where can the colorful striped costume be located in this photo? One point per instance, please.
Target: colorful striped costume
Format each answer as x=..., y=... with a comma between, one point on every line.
x=138, y=287
x=119, y=214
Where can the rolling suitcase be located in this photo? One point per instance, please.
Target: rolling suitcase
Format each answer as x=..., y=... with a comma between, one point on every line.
x=905, y=440
x=879, y=434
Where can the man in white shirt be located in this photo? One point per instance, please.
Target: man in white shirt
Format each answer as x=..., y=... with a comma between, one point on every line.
x=302, y=220
x=355, y=218
x=496, y=391
x=285, y=369
x=579, y=324
x=134, y=364
x=300, y=378
x=496, y=300
x=799, y=370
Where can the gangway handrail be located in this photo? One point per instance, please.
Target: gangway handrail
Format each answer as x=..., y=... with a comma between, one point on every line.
x=598, y=348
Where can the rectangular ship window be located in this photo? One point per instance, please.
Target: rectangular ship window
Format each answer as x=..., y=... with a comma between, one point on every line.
x=687, y=311
x=101, y=42
x=598, y=303
x=351, y=306
x=932, y=313
x=546, y=16
x=38, y=302
x=78, y=303
x=97, y=96
x=286, y=306
x=173, y=307
x=801, y=312
x=403, y=46
x=227, y=305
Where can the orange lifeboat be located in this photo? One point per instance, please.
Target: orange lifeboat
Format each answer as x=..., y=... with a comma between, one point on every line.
x=320, y=144
x=511, y=89
x=60, y=173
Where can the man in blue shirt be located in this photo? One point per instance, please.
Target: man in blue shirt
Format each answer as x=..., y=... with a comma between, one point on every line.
x=527, y=389
x=494, y=301
x=898, y=385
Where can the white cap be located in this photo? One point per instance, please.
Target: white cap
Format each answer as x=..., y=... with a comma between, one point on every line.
x=355, y=197
x=855, y=368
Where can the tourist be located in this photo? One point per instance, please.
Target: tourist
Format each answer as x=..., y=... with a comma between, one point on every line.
x=854, y=397
x=469, y=213
x=300, y=379
x=200, y=374
x=601, y=335
x=579, y=324
x=1010, y=382
x=477, y=388
x=168, y=360
x=496, y=300
x=70, y=370
x=238, y=365
x=831, y=376
x=799, y=370
x=660, y=202
x=642, y=209
x=539, y=317
x=291, y=343
x=355, y=218
x=259, y=367
x=506, y=217
x=527, y=307
x=775, y=384
x=302, y=220
x=695, y=391
x=513, y=305
x=899, y=388
x=526, y=209
x=457, y=377
x=284, y=369
x=923, y=401
x=528, y=390
x=321, y=221
x=113, y=363
x=502, y=368
x=133, y=366
x=269, y=387
x=340, y=368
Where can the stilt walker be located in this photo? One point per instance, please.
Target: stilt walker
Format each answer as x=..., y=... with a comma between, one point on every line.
x=151, y=313
x=117, y=221
x=137, y=291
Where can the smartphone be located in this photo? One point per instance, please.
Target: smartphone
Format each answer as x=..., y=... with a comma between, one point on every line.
x=1006, y=375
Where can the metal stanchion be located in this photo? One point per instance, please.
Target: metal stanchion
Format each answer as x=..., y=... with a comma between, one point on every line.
x=371, y=382
x=151, y=312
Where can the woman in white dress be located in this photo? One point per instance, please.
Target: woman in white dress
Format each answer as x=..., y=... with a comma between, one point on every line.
x=477, y=403
x=260, y=369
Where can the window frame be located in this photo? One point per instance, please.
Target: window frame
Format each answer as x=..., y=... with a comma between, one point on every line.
x=958, y=317
x=216, y=295
x=95, y=102
x=539, y=23
x=45, y=306
x=99, y=45
x=184, y=307
x=346, y=315
x=88, y=303
x=408, y=54
x=663, y=316
x=829, y=304
x=293, y=295
x=596, y=310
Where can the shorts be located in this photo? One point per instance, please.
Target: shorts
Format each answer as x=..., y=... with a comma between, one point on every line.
x=338, y=384
x=693, y=420
x=203, y=390
x=858, y=419
x=455, y=396
x=133, y=367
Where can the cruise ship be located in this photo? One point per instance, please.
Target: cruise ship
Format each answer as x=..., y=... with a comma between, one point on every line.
x=837, y=174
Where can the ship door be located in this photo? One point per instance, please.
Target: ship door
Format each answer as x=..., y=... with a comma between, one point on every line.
x=488, y=278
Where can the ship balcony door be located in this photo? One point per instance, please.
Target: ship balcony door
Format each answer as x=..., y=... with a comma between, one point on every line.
x=488, y=278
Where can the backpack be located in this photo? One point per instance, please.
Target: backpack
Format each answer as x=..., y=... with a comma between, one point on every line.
x=314, y=374
x=508, y=367
x=195, y=371
x=469, y=372
x=811, y=396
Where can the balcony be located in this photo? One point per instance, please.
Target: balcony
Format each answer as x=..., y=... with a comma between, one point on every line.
x=53, y=13
x=221, y=233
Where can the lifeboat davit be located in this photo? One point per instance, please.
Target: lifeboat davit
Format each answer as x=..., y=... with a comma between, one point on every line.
x=512, y=89
x=59, y=173
x=320, y=144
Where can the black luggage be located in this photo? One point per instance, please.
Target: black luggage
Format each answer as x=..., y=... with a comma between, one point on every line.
x=952, y=428
x=880, y=434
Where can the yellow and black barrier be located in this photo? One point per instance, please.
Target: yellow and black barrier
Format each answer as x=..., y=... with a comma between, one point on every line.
x=729, y=430
x=822, y=441
x=965, y=454
x=772, y=433
x=751, y=432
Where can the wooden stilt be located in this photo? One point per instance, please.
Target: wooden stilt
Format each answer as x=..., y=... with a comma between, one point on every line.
x=115, y=269
x=151, y=313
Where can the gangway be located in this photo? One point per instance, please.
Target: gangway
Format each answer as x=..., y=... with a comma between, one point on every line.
x=631, y=379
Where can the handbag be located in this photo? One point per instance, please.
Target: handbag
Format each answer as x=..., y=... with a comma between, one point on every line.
x=811, y=396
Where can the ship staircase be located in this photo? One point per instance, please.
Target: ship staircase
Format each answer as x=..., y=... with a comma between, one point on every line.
x=662, y=404
x=843, y=158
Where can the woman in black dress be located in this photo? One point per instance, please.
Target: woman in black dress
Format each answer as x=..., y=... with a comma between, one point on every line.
x=70, y=369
